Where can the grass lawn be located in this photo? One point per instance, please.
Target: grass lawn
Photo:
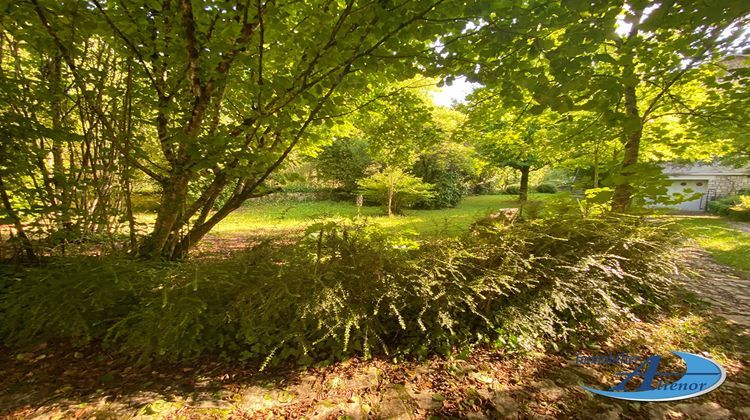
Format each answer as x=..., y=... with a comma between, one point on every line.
x=270, y=217
x=290, y=215
x=727, y=245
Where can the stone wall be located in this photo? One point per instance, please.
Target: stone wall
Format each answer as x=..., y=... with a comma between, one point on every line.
x=725, y=185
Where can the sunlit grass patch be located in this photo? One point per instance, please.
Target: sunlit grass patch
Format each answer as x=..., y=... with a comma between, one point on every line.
x=278, y=217
x=717, y=236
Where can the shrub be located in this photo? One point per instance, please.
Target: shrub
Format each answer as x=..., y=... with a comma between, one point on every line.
x=395, y=189
x=485, y=188
x=512, y=189
x=741, y=209
x=719, y=207
x=348, y=288
x=344, y=162
x=735, y=207
x=450, y=168
x=448, y=189
x=546, y=189
x=145, y=202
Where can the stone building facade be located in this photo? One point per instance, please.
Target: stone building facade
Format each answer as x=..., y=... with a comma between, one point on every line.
x=724, y=185
x=711, y=180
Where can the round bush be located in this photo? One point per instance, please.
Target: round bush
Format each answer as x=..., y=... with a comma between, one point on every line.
x=546, y=189
x=512, y=189
x=449, y=190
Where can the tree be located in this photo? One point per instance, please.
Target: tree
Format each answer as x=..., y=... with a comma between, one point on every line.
x=345, y=162
x=395, y=189
x=449, y=167
x=511, y=137
x=400, y=126
x=625, y=61
x=61, y=172
x=228, y=91
x=452, y=164
x=399, y=130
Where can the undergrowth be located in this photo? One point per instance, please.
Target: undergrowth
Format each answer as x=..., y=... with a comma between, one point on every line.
x=348, y=288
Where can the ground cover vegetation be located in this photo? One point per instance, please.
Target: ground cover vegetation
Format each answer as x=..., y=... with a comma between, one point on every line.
x=735, y=206
x=141, y=140
x=535, y=283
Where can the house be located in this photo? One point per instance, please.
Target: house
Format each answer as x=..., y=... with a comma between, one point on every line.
x=711, y=180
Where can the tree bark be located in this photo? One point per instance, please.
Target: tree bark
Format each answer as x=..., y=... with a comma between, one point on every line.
x=523, y=193
x=127, y=128
x=633, y=126
x=390, y=200
x=25, y=242
x=623, y=193
x=58, y=169
x=172, y=203
x=596, y=166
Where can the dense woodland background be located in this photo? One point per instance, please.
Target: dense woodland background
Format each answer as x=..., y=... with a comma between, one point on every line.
x=202, y=105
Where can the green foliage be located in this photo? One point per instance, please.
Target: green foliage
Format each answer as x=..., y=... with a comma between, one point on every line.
x=344, y=162
x=206, y=100
x=508, y=136
x=736, y=207
x=145, y=202
x=395, y=189
x=350, y=288
x=512, y=189
x=721, y=206
x=448, y=190
x=449, y=167
x=636, y=78
x=399, y=127
x=546, y=188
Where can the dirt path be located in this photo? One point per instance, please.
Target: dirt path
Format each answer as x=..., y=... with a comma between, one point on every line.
x=726, y=289
x=743, y=226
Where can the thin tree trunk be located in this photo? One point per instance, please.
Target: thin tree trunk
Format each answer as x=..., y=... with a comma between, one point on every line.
x=58, y=169
x=390, y=200
x=523, y=193
x=128, y=125
x=25, y=242
x=596, y=166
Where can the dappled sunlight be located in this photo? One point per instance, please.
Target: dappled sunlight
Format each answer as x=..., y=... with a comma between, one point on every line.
x=277, y=217
x=374, y=209
x=725, y=242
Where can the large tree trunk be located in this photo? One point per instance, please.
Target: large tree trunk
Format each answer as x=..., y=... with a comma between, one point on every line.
x=173, y=197
x=523, y=193
x=623, y=194
x=633, y=126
